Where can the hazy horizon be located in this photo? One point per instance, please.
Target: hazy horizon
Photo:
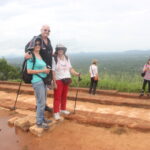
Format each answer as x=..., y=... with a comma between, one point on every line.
x=81, y=25
x=88, y=53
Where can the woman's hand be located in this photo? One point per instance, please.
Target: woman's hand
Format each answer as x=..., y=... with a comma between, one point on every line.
x=28, y=55
x=78, y=74
x=55, y=85
x=46, y=70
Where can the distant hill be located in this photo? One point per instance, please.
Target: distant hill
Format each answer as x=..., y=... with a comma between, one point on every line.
x=16, y=61
x=128, y=61
x=111, y=62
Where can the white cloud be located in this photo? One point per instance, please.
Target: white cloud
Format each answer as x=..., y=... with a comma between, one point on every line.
x=82, y=25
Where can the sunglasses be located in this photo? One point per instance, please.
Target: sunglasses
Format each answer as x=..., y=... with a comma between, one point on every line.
x=57, y=49
x=45, y=30
x=37, y=44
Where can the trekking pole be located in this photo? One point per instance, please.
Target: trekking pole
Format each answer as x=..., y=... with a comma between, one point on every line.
x=14, y=107
x=79, y=79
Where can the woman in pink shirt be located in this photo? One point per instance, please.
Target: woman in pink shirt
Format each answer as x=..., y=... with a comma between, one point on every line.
x=62, y=70
x=146, y=70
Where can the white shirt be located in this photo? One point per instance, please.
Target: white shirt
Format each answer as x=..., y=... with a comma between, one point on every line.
x=93, y=70
x=62, y=68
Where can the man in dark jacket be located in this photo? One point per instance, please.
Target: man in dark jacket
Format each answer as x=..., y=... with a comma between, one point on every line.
x=46, y=51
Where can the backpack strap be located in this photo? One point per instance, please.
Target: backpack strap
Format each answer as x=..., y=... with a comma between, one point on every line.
x=25, y=62
x=39, y=76
x=55, y=58
x=66, y=57
x=34, y=60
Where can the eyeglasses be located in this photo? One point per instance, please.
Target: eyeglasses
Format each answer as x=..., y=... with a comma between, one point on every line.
x=45, y=30
x=37, y=44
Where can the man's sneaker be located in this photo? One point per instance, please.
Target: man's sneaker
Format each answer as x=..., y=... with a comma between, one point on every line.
x=43, y=125
x=56, y=116
x=48, y=109
x=65, y=112
x=47, y=121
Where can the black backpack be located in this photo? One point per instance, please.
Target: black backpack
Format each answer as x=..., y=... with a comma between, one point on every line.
x=25, y=76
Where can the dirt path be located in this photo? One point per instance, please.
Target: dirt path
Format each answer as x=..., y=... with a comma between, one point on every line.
x=103, y=97
x=72, y=136
x=86, y=106
x=81, y=130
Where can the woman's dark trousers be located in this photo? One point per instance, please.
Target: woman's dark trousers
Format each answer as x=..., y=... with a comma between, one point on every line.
x=145, y=82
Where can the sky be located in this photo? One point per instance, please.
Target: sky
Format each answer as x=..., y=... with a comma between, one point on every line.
x=81, y=25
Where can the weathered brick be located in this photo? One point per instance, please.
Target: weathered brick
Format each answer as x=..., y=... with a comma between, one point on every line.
x=32, y=120
x=25, y=122
x=36, y=130
x=39, y=131
x=12, y=120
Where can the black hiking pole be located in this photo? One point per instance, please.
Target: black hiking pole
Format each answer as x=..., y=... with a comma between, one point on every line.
x=79, y=79
x=14, y=107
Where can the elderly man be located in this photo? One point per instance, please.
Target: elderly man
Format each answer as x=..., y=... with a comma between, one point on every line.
x=46, y=51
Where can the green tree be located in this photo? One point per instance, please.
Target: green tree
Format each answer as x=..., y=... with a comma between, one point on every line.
x=7, y=71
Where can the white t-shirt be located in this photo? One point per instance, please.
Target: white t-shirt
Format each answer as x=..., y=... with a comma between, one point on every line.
x=93, y=70
x=62, y=68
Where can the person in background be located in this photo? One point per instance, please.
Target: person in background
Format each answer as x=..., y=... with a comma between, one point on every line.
x=93, y=70
x=62, y=70
x=46, y=51
x=40, y=88
x=146, y=77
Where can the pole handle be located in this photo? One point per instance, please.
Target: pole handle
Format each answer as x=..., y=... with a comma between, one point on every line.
x=79, y=77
